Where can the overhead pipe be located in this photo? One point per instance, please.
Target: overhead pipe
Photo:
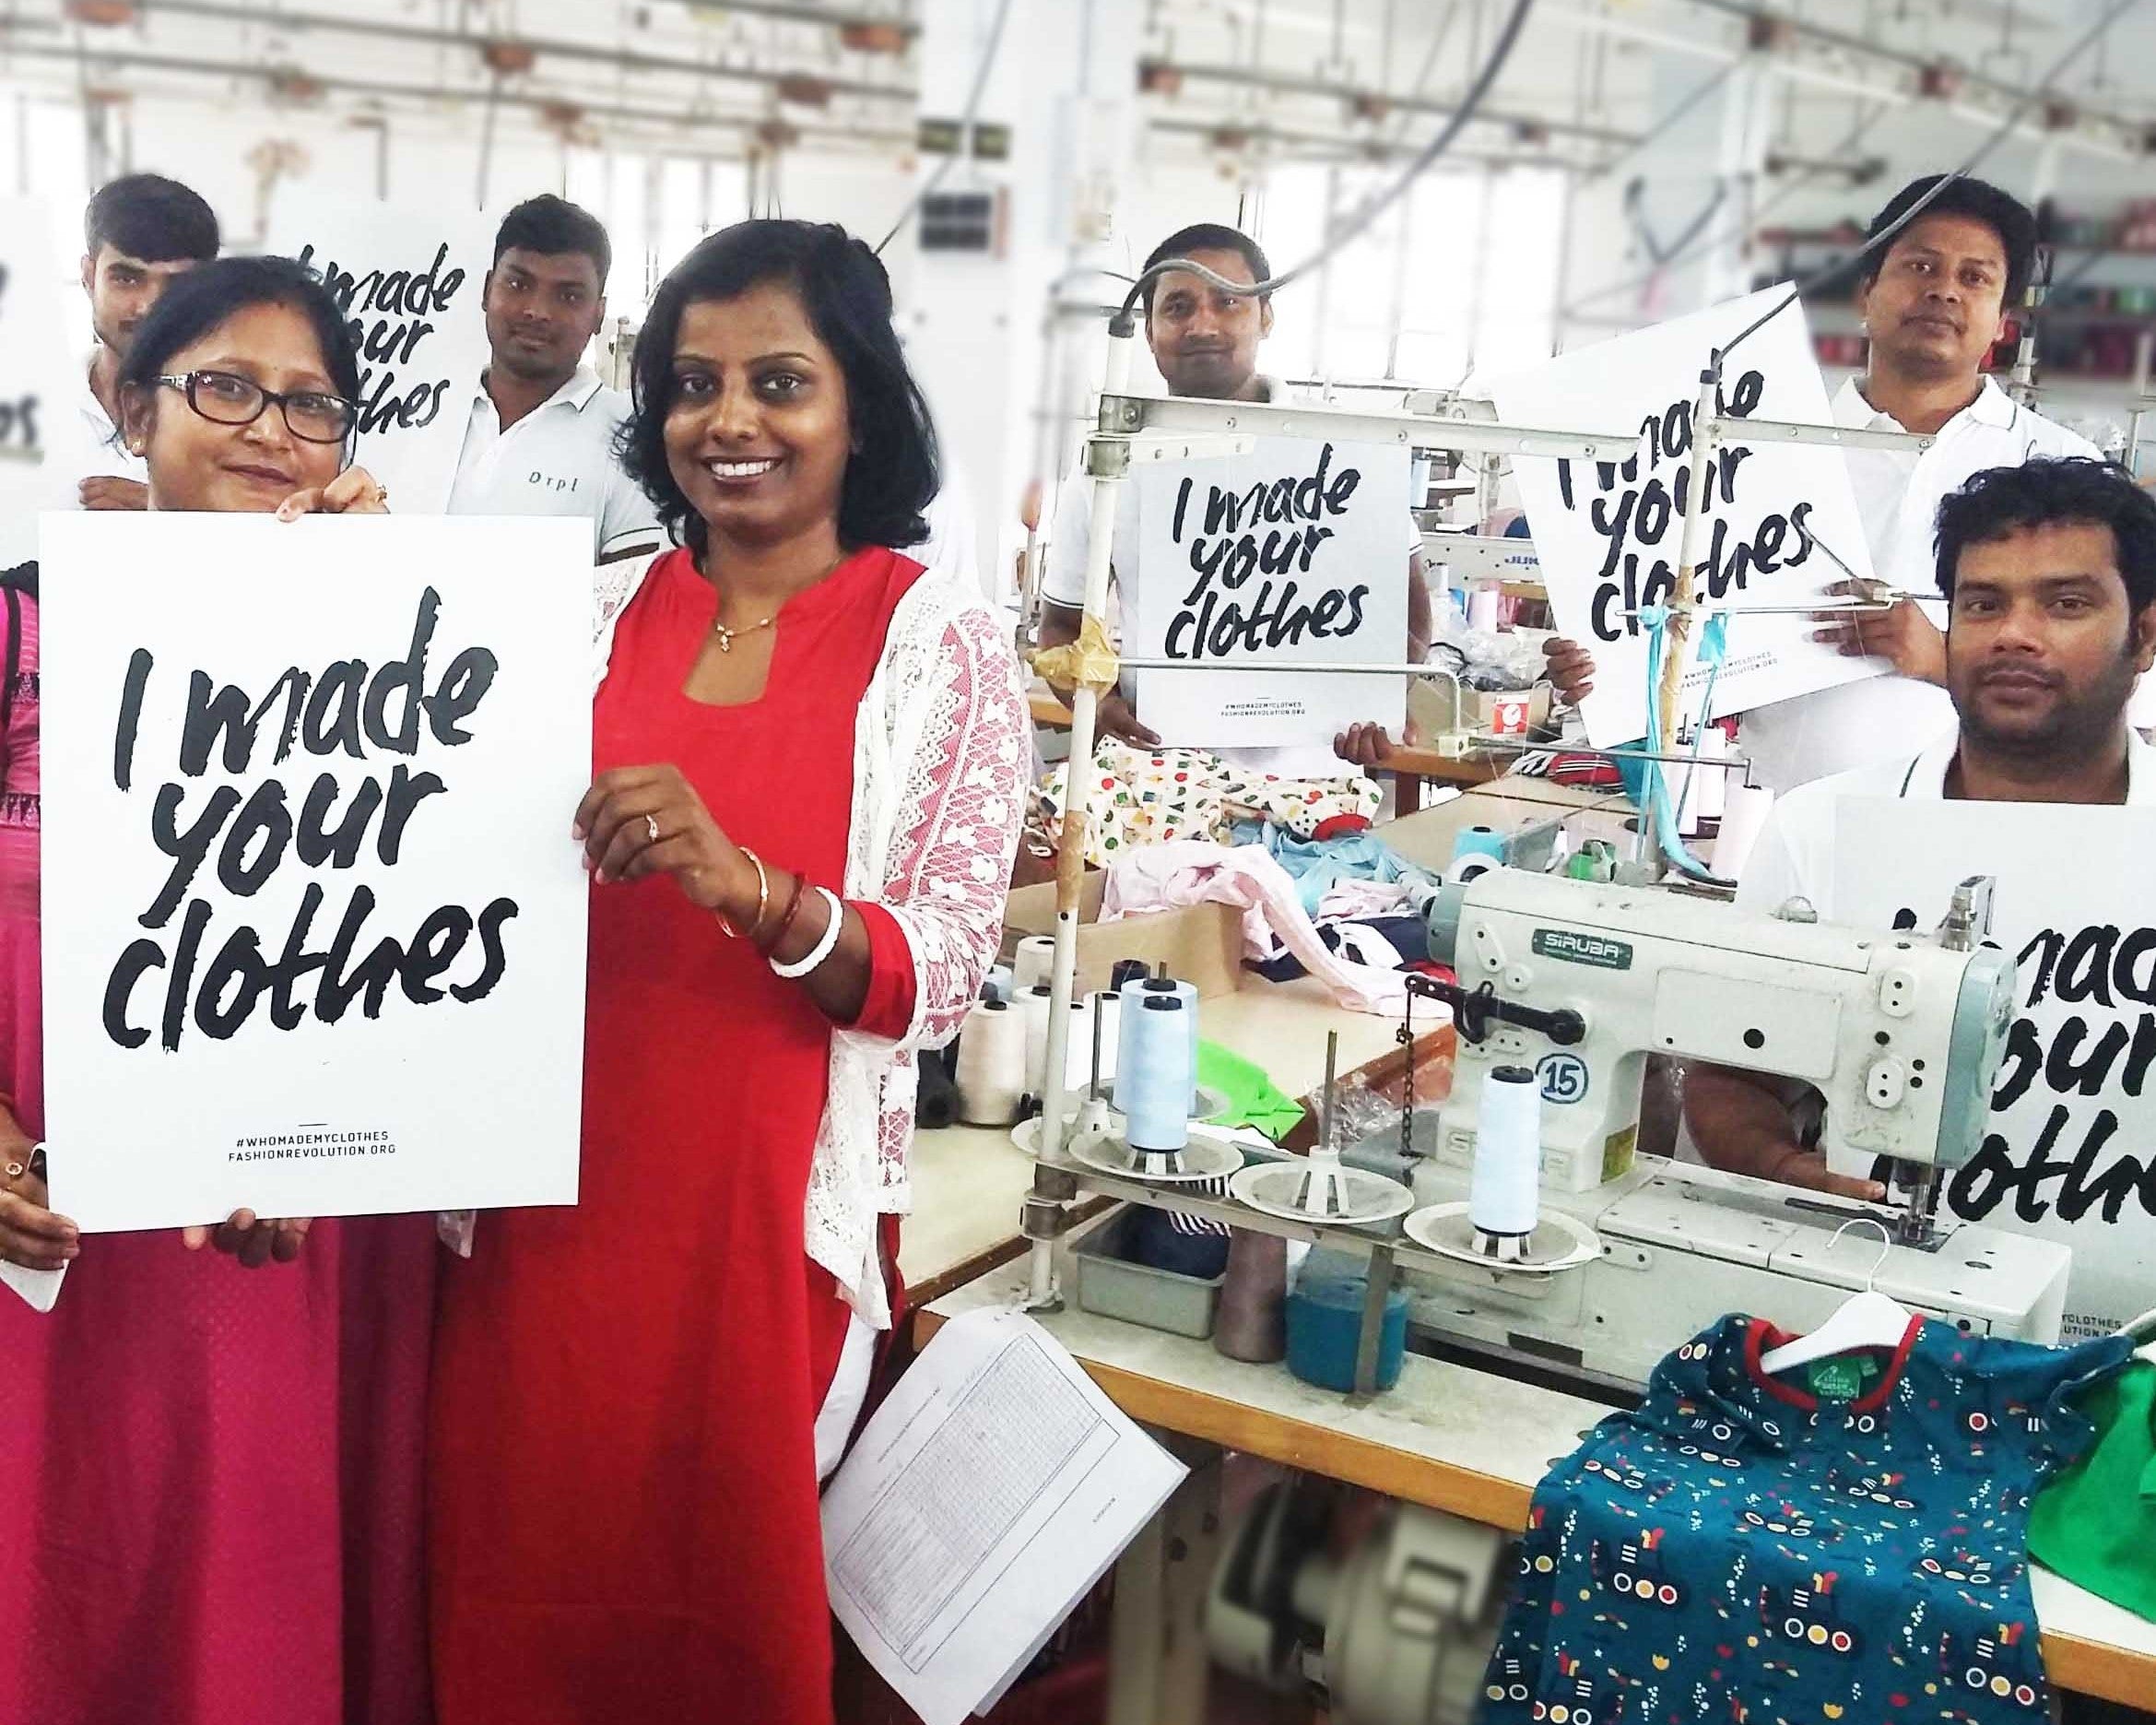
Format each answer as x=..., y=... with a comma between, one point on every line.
x=1293, y=84
x=432, y=94
x=620, y=59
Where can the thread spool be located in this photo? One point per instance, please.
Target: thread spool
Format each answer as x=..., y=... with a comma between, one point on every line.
x=1463, y=869
x=1033, y=1011
x=991, y=1067
x=1744, y=813
x=1478, y=841
x=999, y=985
x=1135, y=995
x=1710, y=782
x=1034, y=961
x=1155, y=1088
x=1482, y=609
x=1502, y=1192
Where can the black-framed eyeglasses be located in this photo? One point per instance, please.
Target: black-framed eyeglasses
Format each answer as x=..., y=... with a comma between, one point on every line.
x=313, y=416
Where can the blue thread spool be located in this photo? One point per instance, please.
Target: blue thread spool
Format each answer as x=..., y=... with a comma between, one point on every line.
x=1153, y=1078
x=1135, y=995
x=1478, y=841
x=1325, y=1321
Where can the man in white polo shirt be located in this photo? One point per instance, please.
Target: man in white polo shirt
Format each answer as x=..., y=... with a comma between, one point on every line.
x=1934, y=304
x=540, y=440
x=1205, y=341
x=2049, y=568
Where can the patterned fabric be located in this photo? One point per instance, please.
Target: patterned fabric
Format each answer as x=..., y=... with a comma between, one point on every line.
x=942, y=743
x=1744, y=1549
x=1156, y=796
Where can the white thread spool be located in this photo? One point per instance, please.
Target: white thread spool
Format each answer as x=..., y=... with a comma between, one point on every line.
x=1033, y=962
x=1482, y=609
x=1502, y=1193
x=1744, y=813
x=1034, y=1010
x=1703, y=799
x=991, y=1069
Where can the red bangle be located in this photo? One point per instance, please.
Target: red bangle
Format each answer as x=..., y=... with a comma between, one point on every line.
x=786, y=917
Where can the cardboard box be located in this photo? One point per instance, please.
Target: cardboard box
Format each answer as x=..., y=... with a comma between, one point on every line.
x=1514, y=713
x=1202, y=944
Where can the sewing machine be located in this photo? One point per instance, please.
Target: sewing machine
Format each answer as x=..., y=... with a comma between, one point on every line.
x=1900, y=1033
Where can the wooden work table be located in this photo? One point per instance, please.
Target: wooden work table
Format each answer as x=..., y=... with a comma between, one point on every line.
x=1453, y=1438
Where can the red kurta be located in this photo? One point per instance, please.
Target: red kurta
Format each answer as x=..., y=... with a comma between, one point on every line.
x=623, y=1482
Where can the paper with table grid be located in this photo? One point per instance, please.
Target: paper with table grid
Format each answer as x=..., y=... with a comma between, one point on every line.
x=987, y=1495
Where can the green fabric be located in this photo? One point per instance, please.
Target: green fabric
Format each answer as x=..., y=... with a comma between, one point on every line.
x=2095, y=1524
x=1252, y=1098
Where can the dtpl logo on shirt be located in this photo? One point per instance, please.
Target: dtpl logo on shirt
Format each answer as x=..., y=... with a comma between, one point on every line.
x=547, y=482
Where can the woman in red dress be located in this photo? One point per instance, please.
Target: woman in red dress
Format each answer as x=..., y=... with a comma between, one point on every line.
x=809, y=757
x=215, y=1500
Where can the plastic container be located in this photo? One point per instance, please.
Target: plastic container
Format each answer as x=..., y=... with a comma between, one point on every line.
x=1325, y=1319
x=1112, y=1286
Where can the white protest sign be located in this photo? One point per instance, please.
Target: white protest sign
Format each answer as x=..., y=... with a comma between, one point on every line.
x=314, y=922
x=1295, y=552
x=1608, y=533
x=38, y=424
x=2071, y=1152
x=410, y=283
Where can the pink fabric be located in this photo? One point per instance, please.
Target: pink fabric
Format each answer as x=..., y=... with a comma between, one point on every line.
x=1190, y=871
x=215, y=1512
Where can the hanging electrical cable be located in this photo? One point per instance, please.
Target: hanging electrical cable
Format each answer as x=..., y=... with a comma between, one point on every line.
x=927, y=187
x=1361, y=222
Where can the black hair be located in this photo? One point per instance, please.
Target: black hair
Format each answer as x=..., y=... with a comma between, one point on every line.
x=150, y=217
x=1208, y=236
x=847, y=294
x=553, y=227
x=203, y=300
x=2046, y=493
x=1979, y=200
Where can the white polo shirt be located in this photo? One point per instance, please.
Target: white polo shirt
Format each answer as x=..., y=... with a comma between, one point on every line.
x=1063, y=582
x=1898, y=495
x=1794, y=858
x=558, y=460
x=102, y=452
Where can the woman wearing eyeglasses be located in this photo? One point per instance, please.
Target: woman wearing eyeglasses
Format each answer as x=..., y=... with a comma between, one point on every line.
x=214, y=1512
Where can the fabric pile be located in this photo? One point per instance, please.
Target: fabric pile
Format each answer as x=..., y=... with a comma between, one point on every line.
x=1851, y=1544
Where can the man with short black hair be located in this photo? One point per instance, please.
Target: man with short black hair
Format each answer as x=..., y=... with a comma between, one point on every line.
x=1934, y=302
x=138, y=232
x=1205, y=340
x=2049, y=572
x=540, y=438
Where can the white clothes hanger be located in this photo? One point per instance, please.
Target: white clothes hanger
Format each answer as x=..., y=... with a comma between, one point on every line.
x=1866, y=1319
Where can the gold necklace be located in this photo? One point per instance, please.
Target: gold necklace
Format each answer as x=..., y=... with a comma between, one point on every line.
x=727, y=636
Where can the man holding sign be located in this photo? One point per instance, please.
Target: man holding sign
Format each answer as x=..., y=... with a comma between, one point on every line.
x=2049, y=571
x=1205, y=341
x=1934, y=302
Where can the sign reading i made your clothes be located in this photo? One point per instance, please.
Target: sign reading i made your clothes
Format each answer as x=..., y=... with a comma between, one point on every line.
x=1293, y=553
x=313, y=923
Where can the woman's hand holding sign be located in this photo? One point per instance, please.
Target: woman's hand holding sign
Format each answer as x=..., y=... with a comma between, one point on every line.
x=30, y=1235
x=254, y=1240
x=354, y=492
